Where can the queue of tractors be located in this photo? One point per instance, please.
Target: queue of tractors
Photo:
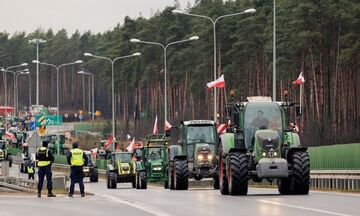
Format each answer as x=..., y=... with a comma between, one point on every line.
x=259, y=144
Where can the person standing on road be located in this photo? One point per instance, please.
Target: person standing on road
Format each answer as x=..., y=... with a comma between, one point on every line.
x=45, y=158
x=77, y=159
x=31, y=171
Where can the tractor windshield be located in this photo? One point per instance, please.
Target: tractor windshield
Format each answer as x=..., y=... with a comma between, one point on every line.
x=154, y=153
x=201, y=133
x=123, y=157
x=261, y=115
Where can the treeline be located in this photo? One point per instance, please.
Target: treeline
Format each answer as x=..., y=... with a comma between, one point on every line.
x=320, y=38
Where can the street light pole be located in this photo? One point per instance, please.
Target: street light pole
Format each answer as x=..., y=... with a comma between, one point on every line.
x=134, y=40
x=17, y=86
x=37, y=41
x=92, y=89
x=274, y=52
x=251, y=10
x=57, y=68
x=5, y=96
x=112, y=86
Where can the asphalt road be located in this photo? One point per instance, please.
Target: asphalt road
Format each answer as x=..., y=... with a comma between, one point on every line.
x=157, y=201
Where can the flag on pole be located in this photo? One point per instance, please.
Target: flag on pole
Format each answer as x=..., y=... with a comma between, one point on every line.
x=128, y=136
x=155, y=129
x=300, y=80
x=130, y=148
x=167, y=125
x=109, y=141
x=219, y=83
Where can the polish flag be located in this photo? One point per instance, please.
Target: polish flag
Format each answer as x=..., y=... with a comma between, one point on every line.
x=300, y=80
x=155, y=129
x=219, y=83
x=167, y=125
x=109, y=141
x=94, y=152
x=130, y=148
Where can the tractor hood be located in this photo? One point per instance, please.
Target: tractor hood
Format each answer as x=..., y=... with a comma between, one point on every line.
x=267, y=139
x=155, y=162
x=124, y=168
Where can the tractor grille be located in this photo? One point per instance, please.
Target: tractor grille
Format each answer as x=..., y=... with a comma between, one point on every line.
x=268, y=141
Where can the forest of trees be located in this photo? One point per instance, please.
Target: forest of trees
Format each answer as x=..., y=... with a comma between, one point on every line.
x=321, y=38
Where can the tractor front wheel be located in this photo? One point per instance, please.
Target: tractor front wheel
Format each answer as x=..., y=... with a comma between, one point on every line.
x=171, y=177
x=143, y=180
x=237, y=173
x=112, y=180
x=181, y=175
x=224, y=187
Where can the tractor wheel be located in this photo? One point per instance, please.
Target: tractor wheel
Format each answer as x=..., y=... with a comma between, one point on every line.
x=171, y=177
x=181, y=175
x=284, y=186
x=216, y=183
x=108, y=183
x=9, y=158
x=112, y=180
x=301, y=173
x=166, y=184
x=237, y=173
x=137, y=181
x=224, y=187
x=94, y=177
x=143, y=180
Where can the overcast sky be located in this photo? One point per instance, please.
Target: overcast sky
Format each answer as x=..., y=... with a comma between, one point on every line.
x=94, y=15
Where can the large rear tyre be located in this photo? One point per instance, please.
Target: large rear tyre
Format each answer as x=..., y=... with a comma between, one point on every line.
x=181, y=175
x=137, y=181
x=238, y=173
x=94, y=177
x=143, y=180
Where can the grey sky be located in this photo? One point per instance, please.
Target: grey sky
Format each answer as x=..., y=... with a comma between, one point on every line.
x=94, y=15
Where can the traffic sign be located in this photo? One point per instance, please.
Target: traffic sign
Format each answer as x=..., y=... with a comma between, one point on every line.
x=81, y=117
x=48, y=120
x=32, y=125
x=42, y=130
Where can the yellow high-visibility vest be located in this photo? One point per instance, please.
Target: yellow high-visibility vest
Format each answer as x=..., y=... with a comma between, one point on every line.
x=43, y=154
x=77, y=157
x=30, y=170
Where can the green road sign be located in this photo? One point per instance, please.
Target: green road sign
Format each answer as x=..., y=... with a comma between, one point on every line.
x=48, y=120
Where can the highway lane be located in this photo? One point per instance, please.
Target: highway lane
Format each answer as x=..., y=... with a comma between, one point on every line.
x=200, y=201
x=211, y=202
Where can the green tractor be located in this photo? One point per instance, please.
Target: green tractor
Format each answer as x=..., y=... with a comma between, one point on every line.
x=151, y=166
x=120, y=169
x=194, y=155
x=4, y=155
x=260, y=145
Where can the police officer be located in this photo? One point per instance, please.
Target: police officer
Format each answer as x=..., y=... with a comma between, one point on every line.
x=76, y=159
x=45, y=158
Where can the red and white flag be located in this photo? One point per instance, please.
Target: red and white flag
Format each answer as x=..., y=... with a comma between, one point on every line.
x=167, y=125
x=130, y=148
x=94, y=152
x=155, y=129
x=109, y=142
x=300, y=80
x=219, y=83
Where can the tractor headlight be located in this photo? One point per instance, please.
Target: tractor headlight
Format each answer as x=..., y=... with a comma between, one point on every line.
x=264, y=154
x=275, y=154
x=210, y=157
x=200, y=157
x=157, y=168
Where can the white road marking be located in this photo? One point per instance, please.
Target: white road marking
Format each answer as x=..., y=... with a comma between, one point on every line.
x=303, y=208
x=316, y=192
x=143, y=208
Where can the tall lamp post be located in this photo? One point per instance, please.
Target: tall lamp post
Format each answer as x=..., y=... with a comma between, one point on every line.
x=251, y=10
x=5, y=96
x=57, y=68
x=112, y=86
x=134, y=40
x=37, y=41
x=17, y=87
x=92, y=90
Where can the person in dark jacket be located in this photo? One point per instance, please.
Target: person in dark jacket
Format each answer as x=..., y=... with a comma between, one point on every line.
x=77, y=159
x=45, y=158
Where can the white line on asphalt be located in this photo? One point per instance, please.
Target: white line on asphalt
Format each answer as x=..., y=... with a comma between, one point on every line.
x=143, y=208
x=318, y=192
x=302, y=207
